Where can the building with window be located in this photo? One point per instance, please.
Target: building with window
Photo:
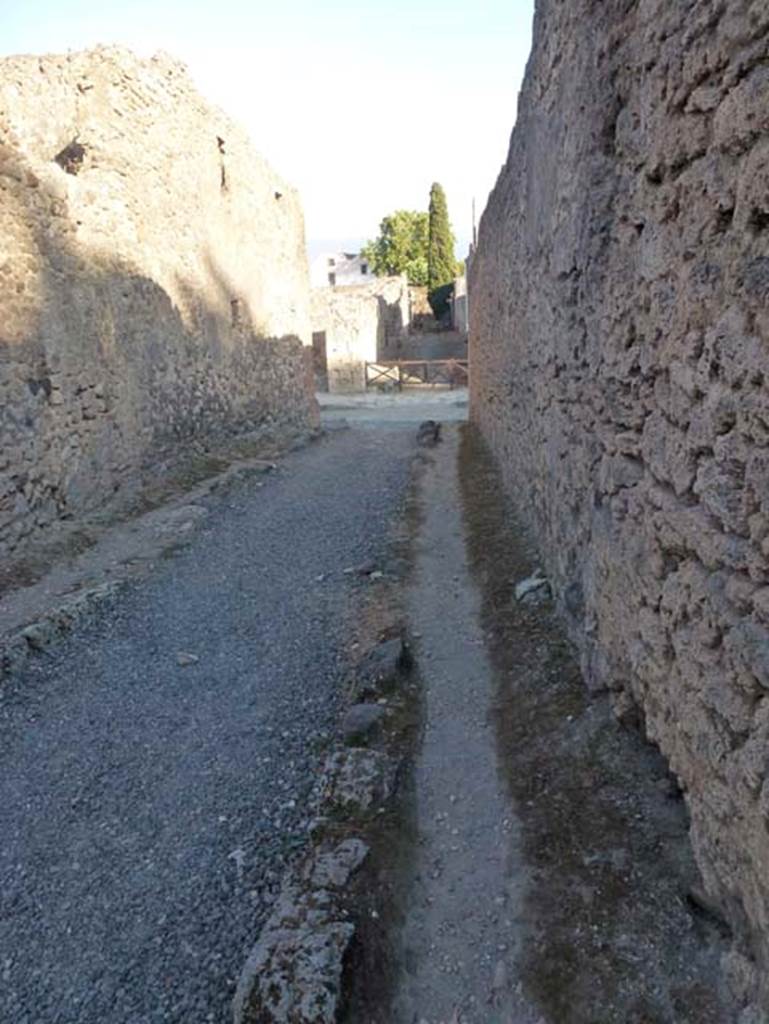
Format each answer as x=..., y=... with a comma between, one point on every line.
x=331, y=269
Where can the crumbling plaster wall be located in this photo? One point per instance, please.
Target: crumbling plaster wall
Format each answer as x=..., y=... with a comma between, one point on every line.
x=153, y=282
x=361, y=323
x=619, y=320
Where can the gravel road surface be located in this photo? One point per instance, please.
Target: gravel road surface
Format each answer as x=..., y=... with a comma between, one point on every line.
x=147, y=806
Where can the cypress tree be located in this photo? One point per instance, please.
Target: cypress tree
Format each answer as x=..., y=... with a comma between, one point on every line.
x=441, y=265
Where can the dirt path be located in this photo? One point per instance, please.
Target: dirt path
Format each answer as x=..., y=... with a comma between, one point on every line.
x=149, y=803
x=469, y=873
x=553, y=882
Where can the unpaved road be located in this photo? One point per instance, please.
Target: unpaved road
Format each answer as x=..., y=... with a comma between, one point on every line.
x=552, y=875
x=146, y=807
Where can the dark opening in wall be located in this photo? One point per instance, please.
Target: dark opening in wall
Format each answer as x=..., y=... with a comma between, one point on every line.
x=42, y=384
x=320, y=360
x=235, y=312
x=724, y=220
x=278, y=195
x=222, y=168
x=71, y=157
x=758, y=220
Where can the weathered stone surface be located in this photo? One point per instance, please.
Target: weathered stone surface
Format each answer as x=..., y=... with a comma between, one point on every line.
x=153, y=283
x=620, y=356
x=533, y=588
x=357, y=781
x=381, y=668
x=361, y=723
x=16, y=646
x=294, y=972
x=429, y=433
x=332, y=869
x=181, y=519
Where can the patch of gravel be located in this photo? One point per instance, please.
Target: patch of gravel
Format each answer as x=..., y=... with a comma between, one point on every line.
x=149, y=807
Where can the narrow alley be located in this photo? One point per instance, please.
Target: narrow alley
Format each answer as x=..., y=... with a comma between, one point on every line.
x=168, y=750
x=384, y=531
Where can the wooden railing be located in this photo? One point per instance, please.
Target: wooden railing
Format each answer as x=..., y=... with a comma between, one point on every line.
x=415, y=372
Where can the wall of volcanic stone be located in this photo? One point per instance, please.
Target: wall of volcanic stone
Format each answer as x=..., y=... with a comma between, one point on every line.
x=153, y=282
x=619, y=305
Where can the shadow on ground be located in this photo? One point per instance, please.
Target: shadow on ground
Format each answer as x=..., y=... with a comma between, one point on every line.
x=612, y=935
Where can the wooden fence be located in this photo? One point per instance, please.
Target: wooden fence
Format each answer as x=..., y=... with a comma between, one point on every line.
x=417, y=372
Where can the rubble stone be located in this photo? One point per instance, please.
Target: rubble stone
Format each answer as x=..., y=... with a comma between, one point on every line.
x=357, y=781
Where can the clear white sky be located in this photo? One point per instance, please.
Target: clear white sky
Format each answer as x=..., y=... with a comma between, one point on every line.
x=361, y=105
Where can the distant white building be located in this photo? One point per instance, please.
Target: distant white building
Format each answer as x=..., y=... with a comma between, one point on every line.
x=339, y=268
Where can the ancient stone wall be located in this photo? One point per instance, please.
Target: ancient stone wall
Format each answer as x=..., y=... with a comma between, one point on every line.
x=459, y=310
x=153, y=282
x=360, y=324
x=619, y=311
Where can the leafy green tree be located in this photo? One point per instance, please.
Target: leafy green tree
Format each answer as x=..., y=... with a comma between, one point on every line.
x=441, y=265
x=401, y=247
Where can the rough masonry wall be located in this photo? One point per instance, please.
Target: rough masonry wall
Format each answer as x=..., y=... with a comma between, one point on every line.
x=619, y=309
x=361, y=323
x=153, y=282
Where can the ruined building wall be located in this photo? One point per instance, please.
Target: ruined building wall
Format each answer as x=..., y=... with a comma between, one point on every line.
x=360, y=324
x=153, y=282
x=619, y=308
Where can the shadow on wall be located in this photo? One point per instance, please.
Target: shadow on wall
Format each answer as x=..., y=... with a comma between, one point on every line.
x=103, y=378
x=392, y=328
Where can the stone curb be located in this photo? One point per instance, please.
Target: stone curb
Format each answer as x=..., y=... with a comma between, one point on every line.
x=294, y=973
x=19, y=646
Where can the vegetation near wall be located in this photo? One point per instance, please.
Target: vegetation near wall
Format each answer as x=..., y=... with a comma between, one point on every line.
x=441, y=265
x=400, y=247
